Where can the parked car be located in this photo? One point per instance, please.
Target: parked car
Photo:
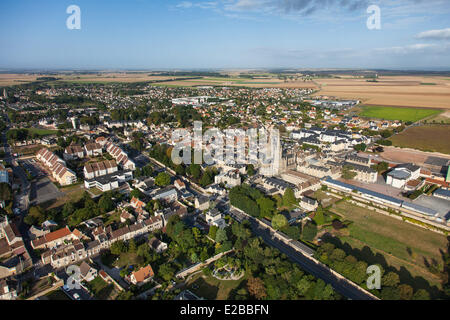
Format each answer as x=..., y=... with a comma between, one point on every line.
x=76, y=296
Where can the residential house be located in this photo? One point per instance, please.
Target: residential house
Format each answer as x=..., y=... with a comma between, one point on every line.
x=142, y=276
x=93, y=149
x=87, y=272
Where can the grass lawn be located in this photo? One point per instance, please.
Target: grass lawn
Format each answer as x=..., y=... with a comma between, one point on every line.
x=101, y=289
x=115, y=217
x=211, y=288
x=95, y=191
x=57, y=295
x=402, y=244
x=41, y=132
x=424, y=138
x=393, y=113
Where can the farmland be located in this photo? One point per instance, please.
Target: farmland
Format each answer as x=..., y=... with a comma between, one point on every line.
x=402, y=91
x=228, y=79
x=433, y=138
x=393, y=113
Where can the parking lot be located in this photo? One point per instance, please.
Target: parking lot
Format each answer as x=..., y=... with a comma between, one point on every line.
x=33, y=168
x=43, y=190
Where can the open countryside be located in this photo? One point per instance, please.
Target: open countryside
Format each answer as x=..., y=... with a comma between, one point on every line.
x=394, y=113
x=432, y=138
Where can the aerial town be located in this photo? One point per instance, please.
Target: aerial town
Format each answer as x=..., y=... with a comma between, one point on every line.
x=93, y=206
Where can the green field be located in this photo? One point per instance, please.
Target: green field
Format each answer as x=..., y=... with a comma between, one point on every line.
x=394, y=113
x=41, y=132
x=401, y=244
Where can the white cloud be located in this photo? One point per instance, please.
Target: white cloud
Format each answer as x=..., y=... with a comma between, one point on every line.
x=442, y=34
x=184, y=4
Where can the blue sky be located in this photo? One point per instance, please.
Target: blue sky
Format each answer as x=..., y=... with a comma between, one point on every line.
x=168, y=34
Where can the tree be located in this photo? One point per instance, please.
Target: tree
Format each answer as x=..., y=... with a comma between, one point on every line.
x=213, y=232
x=221, y=236
x=106, y=204
x=35, y=216
x=68, y=209
x=360, y=147
x=292, y=231
x=421, y=294
x=251, y=170
x=266, y=207
x=180, y=170
x=118, y=247
x=381, y=167
x=132, y=246
x=162, y=179
x=347, y=172
x=391, y=279
x=309, y=231
x=5, y=192
x=337, y=255
x=206, y=179
x=303, y=286
x=195, y=170
x=279, y=221
x=256, y=288
x=166, y=272
x=136, y=194
x=405, y=291
x=289, y=198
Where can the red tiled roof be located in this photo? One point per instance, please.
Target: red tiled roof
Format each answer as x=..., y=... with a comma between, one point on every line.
x=61, y=233
x=143, y=273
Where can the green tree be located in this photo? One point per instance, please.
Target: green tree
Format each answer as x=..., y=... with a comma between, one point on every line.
x=5, y=192
x=279, y=221
x=360, y=147
x=391, y=279
x=309, y=231
x=118, y=247
x=162, y=179
x=406, y=292
x=347, y=172
x=266, y=207
x=289, y=198
x=166, y=272
x=136, y=194
x=221, y=235
x=251, y=170
x=212, y=232
x=421, y=294
x=106, y=204
x=132, y=246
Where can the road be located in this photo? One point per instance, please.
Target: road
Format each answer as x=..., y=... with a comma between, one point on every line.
x=342, y=286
